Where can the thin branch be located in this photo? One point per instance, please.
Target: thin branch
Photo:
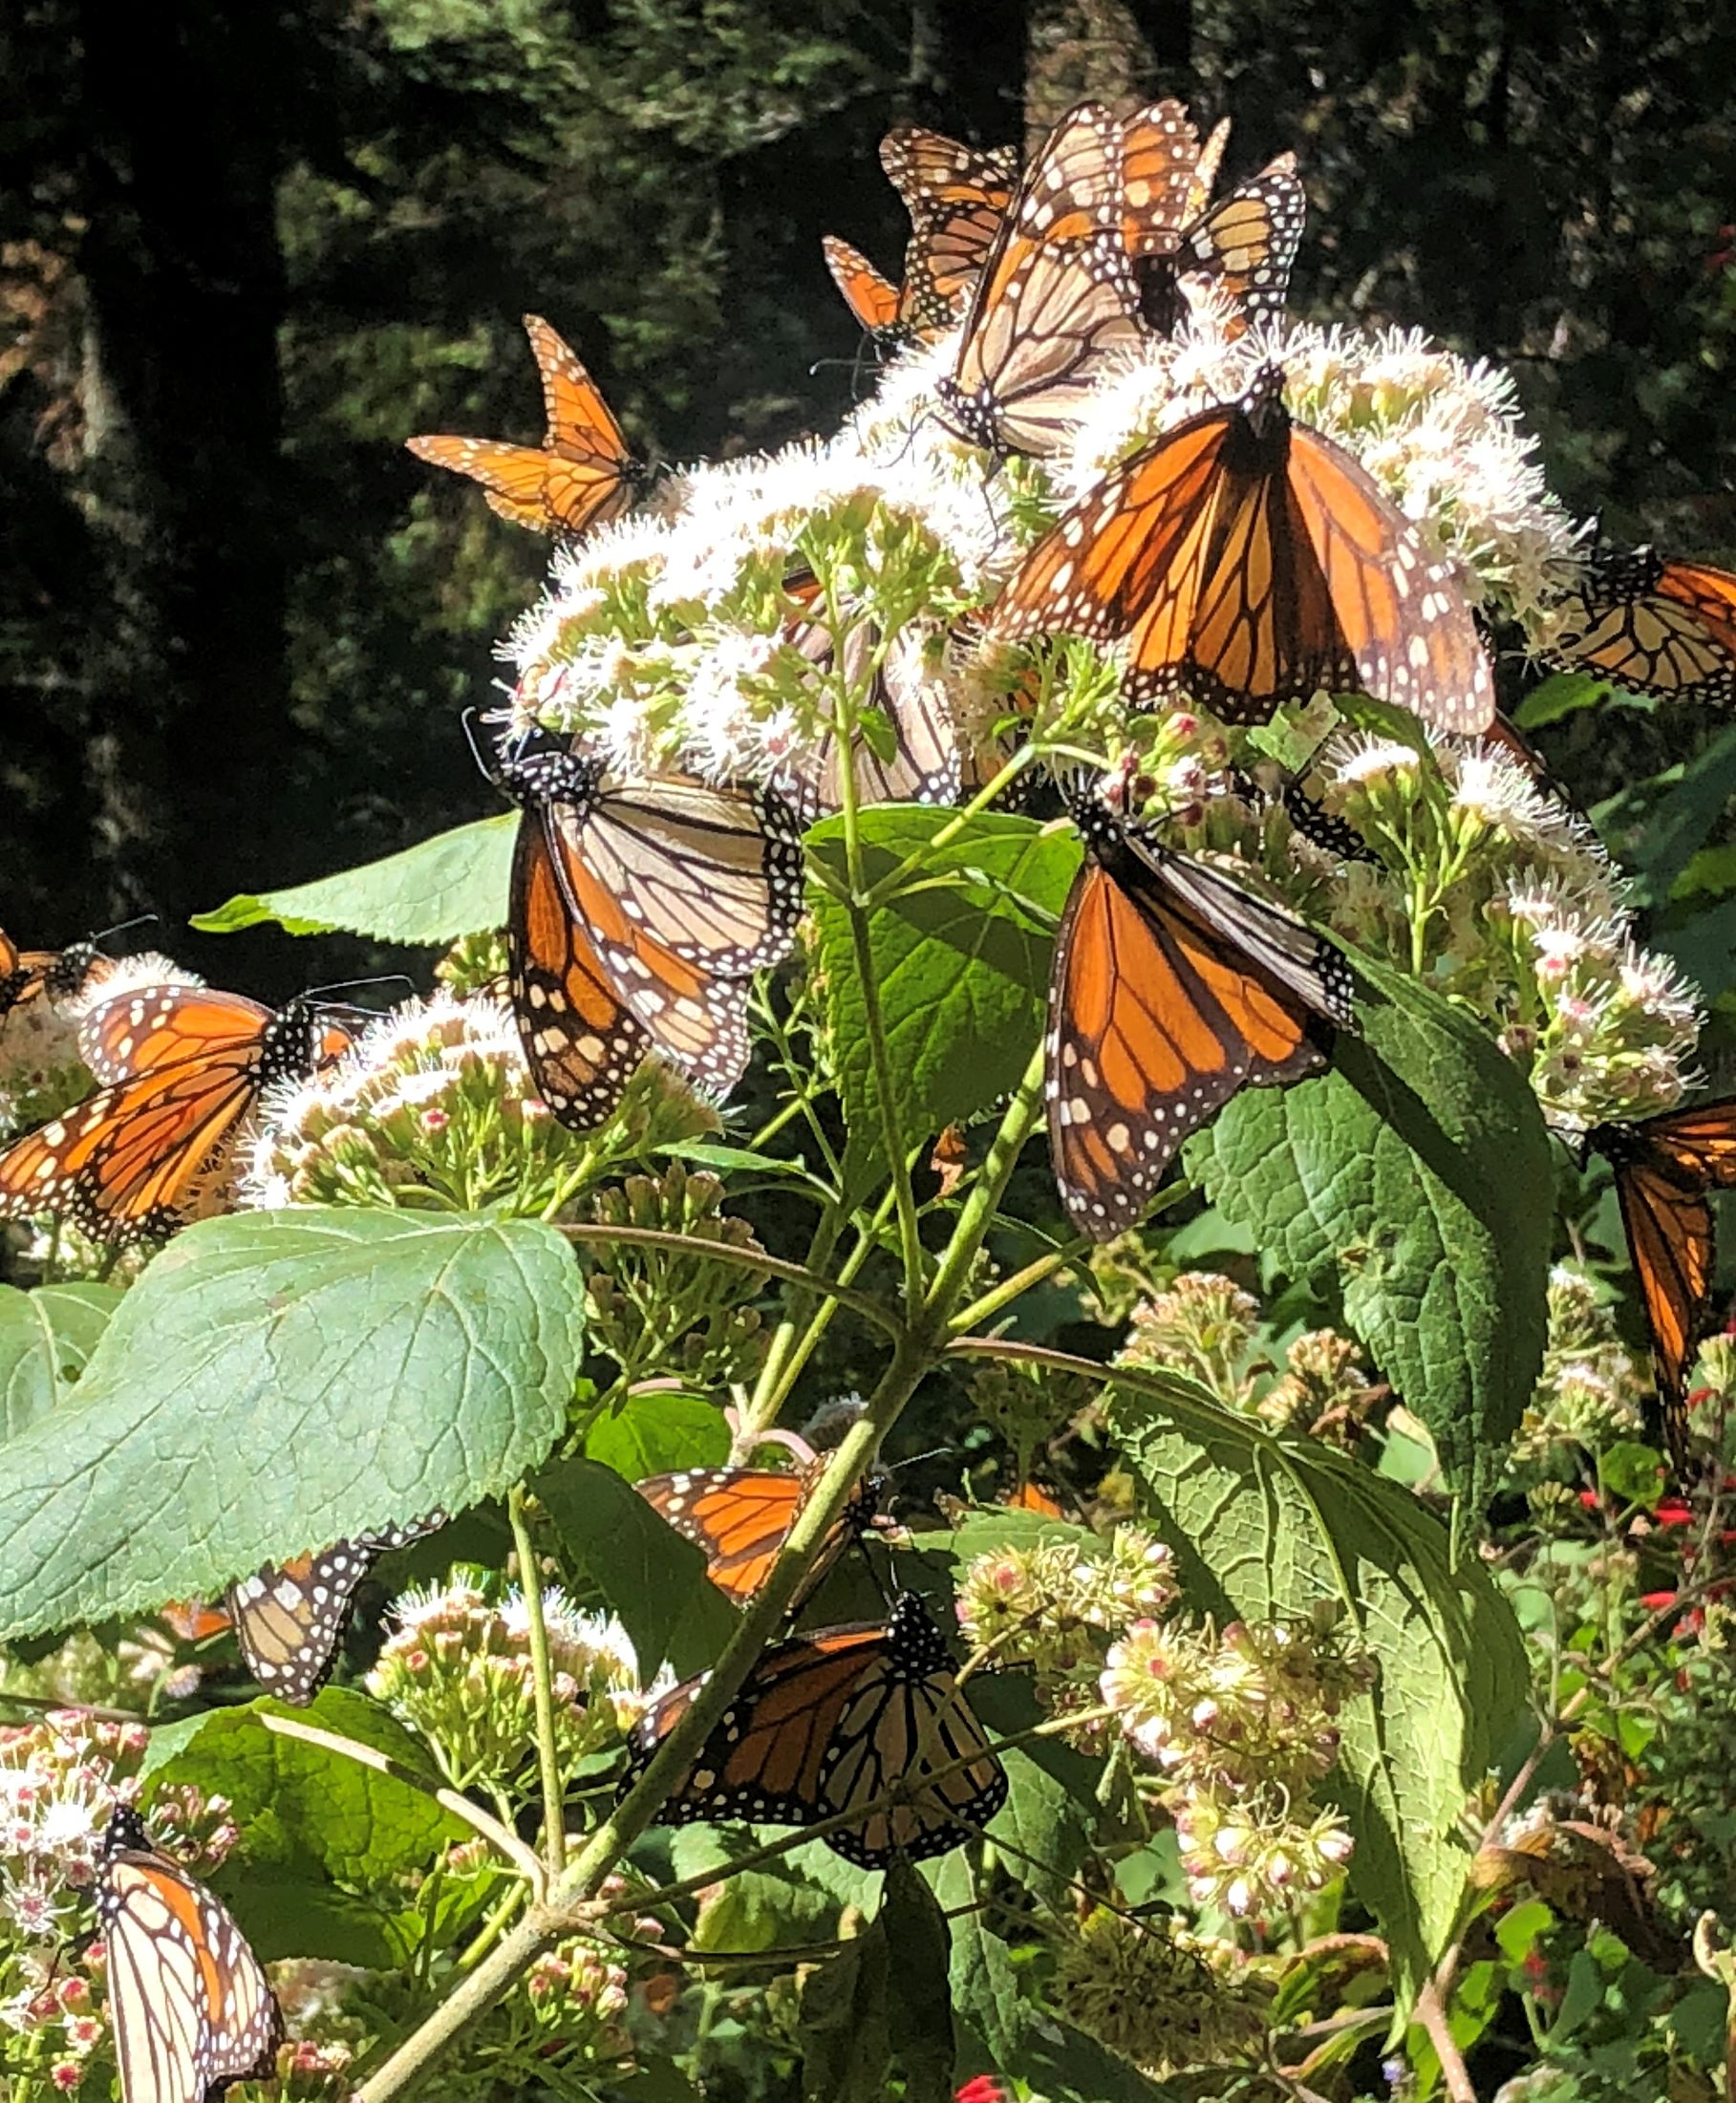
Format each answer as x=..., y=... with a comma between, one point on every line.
x=460, y=1806
x=1430, y=2013
x=542, y=1685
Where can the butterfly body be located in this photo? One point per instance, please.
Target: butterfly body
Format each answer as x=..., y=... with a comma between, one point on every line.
x=580, y=477
x=639, y=911
x=831, y=1722
x=1174, y=987
x=1246, y=561
x=190, y=2007
x=182, y=1067
x=47, y=974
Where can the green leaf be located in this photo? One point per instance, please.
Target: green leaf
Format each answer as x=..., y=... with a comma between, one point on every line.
x=1565, y=693
x=276, y=1380
x=298, y=1804
x=283, y=1914
x=1415, y=1177
x=655, y=1434
x=918, y=2003
x=647, y=1574
x=1657, y=826
x=46, y=1336
x=452, y=884
x=962, y=971
x=846, y=2026
x=1265, y=1529
x=1016, y=2038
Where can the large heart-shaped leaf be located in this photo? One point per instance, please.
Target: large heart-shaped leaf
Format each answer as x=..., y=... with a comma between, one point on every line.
x=46, y=1336
x=279, y=1380
x=1414, y=1181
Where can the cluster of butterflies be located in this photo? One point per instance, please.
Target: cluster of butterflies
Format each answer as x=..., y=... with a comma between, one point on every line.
x=859, y=1729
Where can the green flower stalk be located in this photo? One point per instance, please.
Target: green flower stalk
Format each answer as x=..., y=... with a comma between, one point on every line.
x=1159, y=1996
x=434, y=1110
x=457, y=1669
x=669, y=1310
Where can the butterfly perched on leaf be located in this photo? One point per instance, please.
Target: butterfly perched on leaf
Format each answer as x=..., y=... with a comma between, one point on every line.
x=190, y=2007
x=181, y=1067
x=829, y=1724
x=742, y=1516
x=1652, y=625
x=47, y=974
x=1665, y=1170
x=581, y=476
x=1245, y=561
x=917, y=759
x=639, y=910
x=873, y=299
x=290, y=1617
x=1056, y=296
x=1174, y=987
x=957, y=196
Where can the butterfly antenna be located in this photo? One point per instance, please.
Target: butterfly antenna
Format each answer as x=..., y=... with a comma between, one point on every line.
x=121, y=926
x=487, y=765
x=359, y=985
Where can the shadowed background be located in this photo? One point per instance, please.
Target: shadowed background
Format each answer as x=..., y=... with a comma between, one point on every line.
x=246, y=249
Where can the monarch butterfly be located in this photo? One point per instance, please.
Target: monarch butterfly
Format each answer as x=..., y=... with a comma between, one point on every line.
x=924, y=766
x=1057, y=294
x=830, y=1723
x=191, y=2008
x=1665, y=1167
x=49, y=974
x=183, y=1066
x=639, y=913
x=1246, y=561
x=871, y=298
x=742, y=1516
x=1173, y=988
x=956, y=198
x=1652, y=625
x=1247, y=242
x=290, y=1617
x=581, y=475
x=1032, y=1496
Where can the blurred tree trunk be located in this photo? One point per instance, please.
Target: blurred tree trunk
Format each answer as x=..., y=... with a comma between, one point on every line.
x=1107, y=51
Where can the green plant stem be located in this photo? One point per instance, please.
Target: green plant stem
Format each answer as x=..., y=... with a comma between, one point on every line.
x=1010, y=1288
x=891, y=885
x=542, y=1685
x=768, y=1388
x=912, y=1358
x=864, y=1304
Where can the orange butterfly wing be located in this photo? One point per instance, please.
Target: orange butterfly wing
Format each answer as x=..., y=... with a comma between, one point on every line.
x=583, y=474
x=160, y=1025
x=1651, y=625
x=581, y=1041
x=1709, y=595
x=956, y=198
x=1172, y=989
x=871, y=298
x=741, y=1517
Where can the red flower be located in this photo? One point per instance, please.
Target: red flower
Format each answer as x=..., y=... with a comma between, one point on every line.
x=982, y=2088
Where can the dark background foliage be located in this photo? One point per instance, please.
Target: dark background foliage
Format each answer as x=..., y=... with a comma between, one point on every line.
x=246, y=249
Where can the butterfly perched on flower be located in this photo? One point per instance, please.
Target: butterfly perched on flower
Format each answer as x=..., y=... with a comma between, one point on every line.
x=1174, y=987
x=581, y=476
x=639, y=910
x=1651, y=624
x=190, y=2006
x=873, y=299
x=290, y=1617
x=742, y=1516
x=829, y=1723
x=1057, y=295
x=181, y=1067
x=1244, y=561
x=957, y=196
x=1665, y=1170
x=918, y=760
x=47, y=974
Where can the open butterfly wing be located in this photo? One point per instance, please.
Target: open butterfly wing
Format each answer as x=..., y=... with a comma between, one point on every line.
x=1709, y=595
x=741, y=1517
x=873, y=299
x=1653, y=626
x=711, y=873
x=515, y=477
x=828, y=1723
x=582, y=1043
x=189, y=2005
x=162, y=1025
x=1400, y=612
x=581, y=426
x=1172, y=989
